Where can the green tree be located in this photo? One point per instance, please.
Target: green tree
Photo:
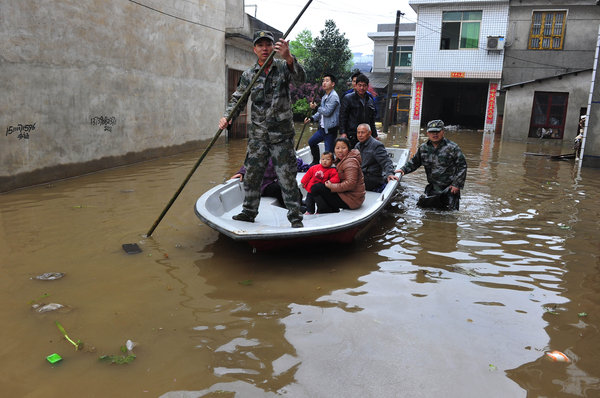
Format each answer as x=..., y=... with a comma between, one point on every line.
x=330, y=53
x=300, y=46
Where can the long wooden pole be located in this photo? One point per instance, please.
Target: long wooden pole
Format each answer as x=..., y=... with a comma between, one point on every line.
x=241, y=101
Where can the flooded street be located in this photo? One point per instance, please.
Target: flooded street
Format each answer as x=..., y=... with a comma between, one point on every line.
x=430, y=304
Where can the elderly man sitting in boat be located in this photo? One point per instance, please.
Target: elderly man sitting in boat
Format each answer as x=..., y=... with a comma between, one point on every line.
x=377, y=167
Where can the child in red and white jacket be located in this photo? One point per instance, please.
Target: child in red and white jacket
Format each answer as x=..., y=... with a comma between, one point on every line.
x=319, y=173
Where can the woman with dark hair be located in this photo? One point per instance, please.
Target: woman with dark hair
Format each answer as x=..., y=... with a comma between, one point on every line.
x=349, y=193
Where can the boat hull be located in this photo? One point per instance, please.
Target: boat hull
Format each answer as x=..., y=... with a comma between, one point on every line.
x=272, y=229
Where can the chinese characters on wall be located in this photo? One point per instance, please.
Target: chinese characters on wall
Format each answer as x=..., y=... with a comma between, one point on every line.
x=23, y=130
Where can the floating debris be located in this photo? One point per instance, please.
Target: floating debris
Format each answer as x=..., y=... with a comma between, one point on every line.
x=78, y=345
x=121, y=359
x=130, y=345
x=247, y=282
x=49, y=276
x=53, y=358
x=118, y=359
x=558, y=356
x=550, y=310
x=48, y=307
x=582, y=314
x=43, y=296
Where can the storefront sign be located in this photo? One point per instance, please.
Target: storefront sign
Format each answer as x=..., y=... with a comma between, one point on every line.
x=457, y=74
x=491, y=103
x=418, y=97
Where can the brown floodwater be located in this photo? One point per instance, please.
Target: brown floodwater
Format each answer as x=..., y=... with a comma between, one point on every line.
x=428, y=304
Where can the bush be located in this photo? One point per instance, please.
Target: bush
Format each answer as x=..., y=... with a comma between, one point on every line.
x=301, y=109
x=309, y=91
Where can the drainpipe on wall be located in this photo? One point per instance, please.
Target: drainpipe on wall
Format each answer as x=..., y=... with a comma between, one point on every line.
x=589, y=107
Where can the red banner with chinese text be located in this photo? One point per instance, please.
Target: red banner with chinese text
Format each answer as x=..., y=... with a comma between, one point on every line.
x=491, y=103
x=418, y=97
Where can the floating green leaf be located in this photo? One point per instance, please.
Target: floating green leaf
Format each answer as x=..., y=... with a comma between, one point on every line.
x=78, y=345
x=39, y=298
x=492, y=367
x=118, y=359
x=582, y=314
x=247, y=282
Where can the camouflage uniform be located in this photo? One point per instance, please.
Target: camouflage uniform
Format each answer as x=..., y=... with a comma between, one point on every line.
x=444, y=165
x=271, y=134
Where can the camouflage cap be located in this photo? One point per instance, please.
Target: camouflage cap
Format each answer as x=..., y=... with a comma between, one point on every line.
x=262, y=34
x=435, y=125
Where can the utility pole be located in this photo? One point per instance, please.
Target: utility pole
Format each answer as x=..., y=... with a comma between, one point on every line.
x=388, y=100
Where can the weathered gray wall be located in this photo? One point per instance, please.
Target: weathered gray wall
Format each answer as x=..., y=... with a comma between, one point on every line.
x=518, y=104
x=91, y=84
x=581, y=27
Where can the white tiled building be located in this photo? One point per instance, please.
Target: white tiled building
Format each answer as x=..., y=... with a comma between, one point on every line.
x=457, y=61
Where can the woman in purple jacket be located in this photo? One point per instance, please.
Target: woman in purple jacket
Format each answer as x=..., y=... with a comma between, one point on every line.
x=269, y=186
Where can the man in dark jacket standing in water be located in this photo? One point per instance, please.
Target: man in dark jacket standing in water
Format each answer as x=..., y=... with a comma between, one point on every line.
x=445, y=166
x=271, y=133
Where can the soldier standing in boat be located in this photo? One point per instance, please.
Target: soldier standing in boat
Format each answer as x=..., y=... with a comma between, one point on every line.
x=271, y=132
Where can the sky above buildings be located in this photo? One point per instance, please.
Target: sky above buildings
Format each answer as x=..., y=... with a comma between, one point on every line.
x=354, y=18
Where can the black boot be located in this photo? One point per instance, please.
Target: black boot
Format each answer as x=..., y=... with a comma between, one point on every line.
x=316, y=155
x=243, y=217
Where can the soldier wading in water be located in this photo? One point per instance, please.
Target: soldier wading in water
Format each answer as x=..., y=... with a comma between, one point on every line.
x=271, y=133
x=445, y=166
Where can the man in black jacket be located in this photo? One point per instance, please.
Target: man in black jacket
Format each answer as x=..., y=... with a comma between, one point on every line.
x=357, y=108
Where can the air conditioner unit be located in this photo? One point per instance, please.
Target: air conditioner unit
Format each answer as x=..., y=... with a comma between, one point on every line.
x=495, y=43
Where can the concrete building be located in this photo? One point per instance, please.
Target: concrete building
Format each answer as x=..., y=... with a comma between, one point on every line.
x=383, y=46
x=547, y=73
x=457, y=61
x=88, y=85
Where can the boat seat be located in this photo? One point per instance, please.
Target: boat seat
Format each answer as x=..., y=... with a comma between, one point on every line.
x=231, y=197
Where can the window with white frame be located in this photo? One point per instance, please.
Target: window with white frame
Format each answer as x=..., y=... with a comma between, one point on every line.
x=547, y=30
x=460, y=30
x=403, y=55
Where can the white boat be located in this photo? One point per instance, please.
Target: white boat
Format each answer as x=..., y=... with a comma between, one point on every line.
x=271, y=228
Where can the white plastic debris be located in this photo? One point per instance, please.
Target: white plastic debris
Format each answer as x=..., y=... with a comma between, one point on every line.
x=49, y=276
x=130, y=344
x=49, y=307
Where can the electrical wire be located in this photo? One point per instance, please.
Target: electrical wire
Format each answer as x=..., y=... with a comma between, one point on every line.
x=176, y=17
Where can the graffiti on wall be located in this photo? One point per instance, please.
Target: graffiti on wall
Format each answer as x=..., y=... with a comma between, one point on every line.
x=107, y=121
x=23, y=130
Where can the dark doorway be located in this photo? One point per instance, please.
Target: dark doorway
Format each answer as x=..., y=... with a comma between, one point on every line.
x=455, y=102
x=238, y=128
